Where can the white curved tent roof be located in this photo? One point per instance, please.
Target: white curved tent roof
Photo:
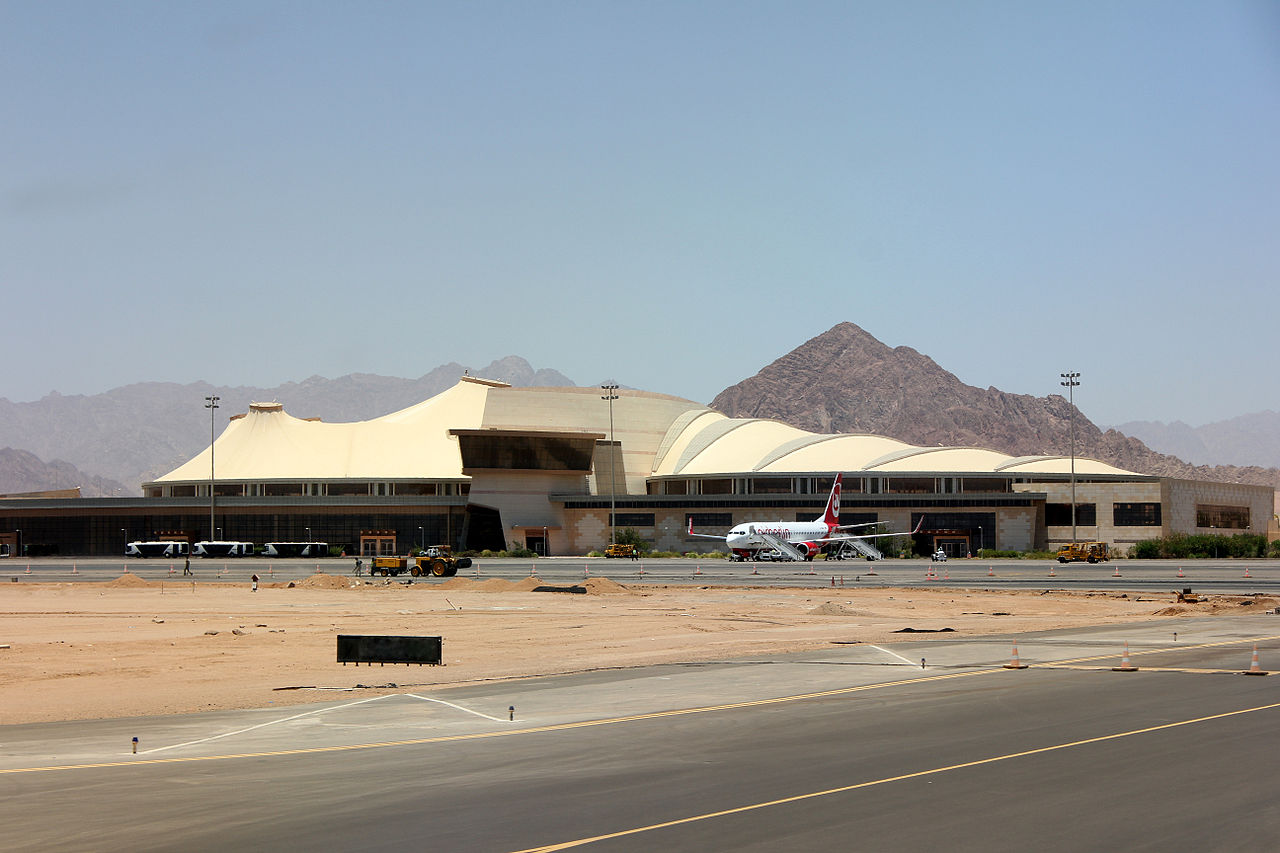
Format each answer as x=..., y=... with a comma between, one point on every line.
x=660, y=436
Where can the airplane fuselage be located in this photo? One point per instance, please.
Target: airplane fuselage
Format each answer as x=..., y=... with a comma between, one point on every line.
x=804, y=535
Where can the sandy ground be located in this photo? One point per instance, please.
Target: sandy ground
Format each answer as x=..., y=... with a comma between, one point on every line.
x=133, y=648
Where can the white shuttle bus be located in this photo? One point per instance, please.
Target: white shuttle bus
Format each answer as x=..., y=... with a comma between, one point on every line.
x=296, y=549
x=157, y=549
x=223, y=549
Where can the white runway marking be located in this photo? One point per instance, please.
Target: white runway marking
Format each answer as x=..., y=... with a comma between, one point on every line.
x=458, y=707
x=261, y=725
x=895, y=654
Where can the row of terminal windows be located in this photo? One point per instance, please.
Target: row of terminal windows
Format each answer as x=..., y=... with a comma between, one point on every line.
x=293, y=490
x=1132, y=514
x=822, y=485
x=1228, y=517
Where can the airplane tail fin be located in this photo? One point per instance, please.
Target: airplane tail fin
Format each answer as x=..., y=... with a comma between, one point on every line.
x=831, y=517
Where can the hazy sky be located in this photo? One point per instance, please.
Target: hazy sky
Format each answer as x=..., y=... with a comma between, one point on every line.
x=671, y=195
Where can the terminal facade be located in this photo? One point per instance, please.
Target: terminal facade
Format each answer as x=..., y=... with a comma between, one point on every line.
x=485, y=465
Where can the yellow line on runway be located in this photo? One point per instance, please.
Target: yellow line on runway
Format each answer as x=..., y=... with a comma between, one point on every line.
x=565, y=845
x=777, y=700
x=753, y=703
x=1178, y=648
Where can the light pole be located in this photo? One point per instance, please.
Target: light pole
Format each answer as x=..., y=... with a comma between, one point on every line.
x=1070, y=381
x=211, y=403
x=308, y=529
x=125, y=534
x=422, y=539
x=19, y=543
x=610, y=396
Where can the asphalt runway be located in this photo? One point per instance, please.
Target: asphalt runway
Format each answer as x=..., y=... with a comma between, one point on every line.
x=858, y=747
x=1212, y=576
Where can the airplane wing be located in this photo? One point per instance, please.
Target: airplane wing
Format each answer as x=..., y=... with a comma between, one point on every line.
x=846, y=538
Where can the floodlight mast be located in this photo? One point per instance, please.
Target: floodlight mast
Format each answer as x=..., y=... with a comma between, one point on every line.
x=1070, y=381
x=610, y=397
x=211, y=403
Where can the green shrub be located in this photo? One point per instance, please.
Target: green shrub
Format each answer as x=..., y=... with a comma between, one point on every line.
x=1182, y=546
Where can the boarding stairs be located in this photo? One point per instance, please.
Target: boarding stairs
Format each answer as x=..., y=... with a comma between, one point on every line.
x=783, y=547
x=863, y=547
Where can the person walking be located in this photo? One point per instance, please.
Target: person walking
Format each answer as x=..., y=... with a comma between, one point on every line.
x=255, y=582
x=186, y=566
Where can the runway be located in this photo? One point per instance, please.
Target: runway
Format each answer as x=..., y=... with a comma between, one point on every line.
x=858, y=747
x=1236, y=577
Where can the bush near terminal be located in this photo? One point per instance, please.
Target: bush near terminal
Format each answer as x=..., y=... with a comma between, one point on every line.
x=129, y=647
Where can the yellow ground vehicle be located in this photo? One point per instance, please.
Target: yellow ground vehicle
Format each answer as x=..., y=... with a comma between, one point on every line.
x=617, y=549
x=437, y=560
x=1089, y=552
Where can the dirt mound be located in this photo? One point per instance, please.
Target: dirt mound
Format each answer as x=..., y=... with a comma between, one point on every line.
x=835, y=608
x=527, y=584
x=322, y=581
x=829, y=608
x=457, y=583
x=1171, y=611
x=604, y=586
x=126, y=580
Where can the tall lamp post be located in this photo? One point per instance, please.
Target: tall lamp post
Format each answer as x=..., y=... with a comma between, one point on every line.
x=125, y=535
x=1070, y=381
x=211, y=403
x=610, y=396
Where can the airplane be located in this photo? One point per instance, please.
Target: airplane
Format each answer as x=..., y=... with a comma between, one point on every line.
x=795, y=540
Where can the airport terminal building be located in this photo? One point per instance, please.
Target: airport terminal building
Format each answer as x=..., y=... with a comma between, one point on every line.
x=487, y=465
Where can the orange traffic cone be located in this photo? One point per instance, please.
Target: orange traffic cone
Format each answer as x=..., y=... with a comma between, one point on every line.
x=1254, y=668
x=74, y=570
x=697, y=570
x=586, y=572
x=1052, y=574
x=1246, y=572
x=28, y=571
x=1125, y=666
x=533, y=571
x=1015, y=663
x=991, y=571
x=1180, y=574
x=1117, y=572
x=946, y=574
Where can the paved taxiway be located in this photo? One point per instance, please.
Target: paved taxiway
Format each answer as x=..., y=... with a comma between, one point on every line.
x=853, y=748
x=1215, y=576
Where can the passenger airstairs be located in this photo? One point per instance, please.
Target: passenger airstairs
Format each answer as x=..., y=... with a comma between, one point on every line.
x=863, y=547
x=783, y=547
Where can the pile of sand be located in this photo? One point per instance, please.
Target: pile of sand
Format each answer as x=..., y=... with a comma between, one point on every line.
x=528, y=584
x=322, y=581
x=604, y=586
x=127, y=580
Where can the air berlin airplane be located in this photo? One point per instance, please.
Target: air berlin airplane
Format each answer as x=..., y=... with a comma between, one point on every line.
x=800, y=540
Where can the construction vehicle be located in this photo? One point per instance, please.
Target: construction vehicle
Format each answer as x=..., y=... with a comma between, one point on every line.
x=1188, y=597
x=438, y=560
x=617, y=549
x=1089, y=552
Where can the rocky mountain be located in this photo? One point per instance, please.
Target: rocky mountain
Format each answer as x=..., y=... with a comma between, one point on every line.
x=1248, y=438
x=21, y=471
x=137, y=432
x=849, y=382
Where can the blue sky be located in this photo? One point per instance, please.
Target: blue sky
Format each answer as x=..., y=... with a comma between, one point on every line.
x=670, y=195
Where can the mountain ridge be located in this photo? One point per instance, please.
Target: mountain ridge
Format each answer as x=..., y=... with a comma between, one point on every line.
x=901, y=393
